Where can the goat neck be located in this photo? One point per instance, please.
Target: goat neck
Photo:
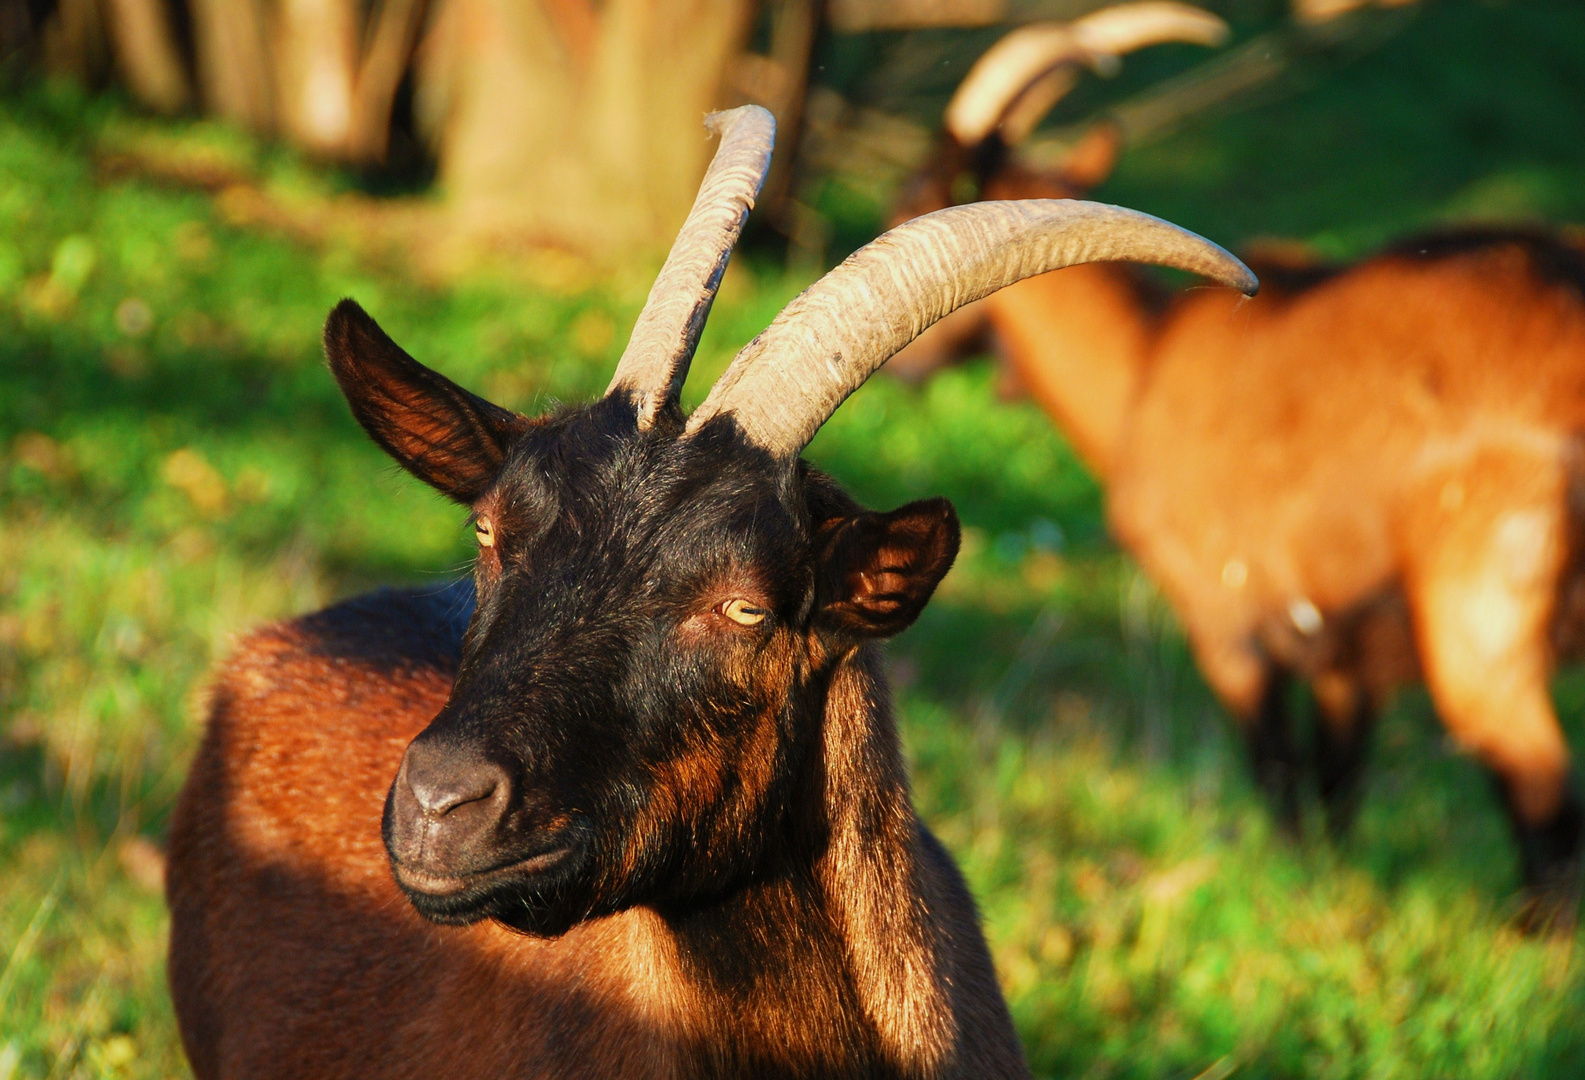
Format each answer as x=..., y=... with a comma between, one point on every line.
x=1077, y=338
x=858, y=922
x=1078, y=341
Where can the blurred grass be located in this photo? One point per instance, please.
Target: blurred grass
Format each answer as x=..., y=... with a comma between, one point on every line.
x=175, y=466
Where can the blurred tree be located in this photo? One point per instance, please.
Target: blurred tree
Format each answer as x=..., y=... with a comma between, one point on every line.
x=857, y=16
x=233, y=66
x=574, y=124
x=571, y=123
x=565, y=123
x=1317, y=11
x=321, y=73
x=778, y=78
x=146, y=54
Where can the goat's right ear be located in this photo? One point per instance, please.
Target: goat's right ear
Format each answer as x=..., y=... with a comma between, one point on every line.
x=450, y=439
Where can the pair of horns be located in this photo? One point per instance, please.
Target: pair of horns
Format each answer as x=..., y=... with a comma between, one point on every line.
x=788, y=381
x=1020, y=78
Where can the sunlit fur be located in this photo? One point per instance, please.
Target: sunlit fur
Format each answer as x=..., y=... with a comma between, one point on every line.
x=748, y=891
x=1366, y=475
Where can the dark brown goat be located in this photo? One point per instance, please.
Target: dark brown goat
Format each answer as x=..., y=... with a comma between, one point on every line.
x=1365, y=476
x=649, y=817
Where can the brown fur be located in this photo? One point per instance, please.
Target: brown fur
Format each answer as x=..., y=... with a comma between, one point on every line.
x=1407, y=425
x=294, y=953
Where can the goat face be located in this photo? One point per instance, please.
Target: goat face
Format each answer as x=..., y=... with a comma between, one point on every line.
x=957, y=174
x=656, y=615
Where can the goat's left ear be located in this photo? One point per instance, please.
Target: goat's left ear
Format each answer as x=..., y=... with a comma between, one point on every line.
x=877, y=571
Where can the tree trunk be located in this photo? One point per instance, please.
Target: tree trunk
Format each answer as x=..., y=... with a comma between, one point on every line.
x=385, y=63
x=779, y=80
x=316, y=49
x=146, y=54
x=16, y=28
x=233, y=61
x=73, y=42
x=559, y=125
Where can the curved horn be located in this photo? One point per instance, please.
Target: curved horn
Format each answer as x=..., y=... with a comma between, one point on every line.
x=1022, y=65
x=1002, y=73
x=1024, y=114
x=655, y=362
x=788, y=381
x=1116, y=31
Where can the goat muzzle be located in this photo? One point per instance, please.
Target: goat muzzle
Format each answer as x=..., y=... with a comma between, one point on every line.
x=444, y=814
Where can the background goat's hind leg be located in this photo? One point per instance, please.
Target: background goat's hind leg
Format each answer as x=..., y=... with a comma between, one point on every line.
x=1483, y=586
x=1274, y=754
x=1345, y=718
x=1256, y=691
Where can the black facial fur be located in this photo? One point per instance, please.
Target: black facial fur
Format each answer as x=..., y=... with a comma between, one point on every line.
x=636, y=745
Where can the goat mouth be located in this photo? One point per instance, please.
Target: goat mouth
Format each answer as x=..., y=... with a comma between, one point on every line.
x=423, y=883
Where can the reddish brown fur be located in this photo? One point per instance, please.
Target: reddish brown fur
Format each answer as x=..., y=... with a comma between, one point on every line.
x=294, y=953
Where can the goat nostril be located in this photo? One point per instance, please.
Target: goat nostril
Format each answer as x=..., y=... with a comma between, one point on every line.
x=438, y=800
x=441, y=786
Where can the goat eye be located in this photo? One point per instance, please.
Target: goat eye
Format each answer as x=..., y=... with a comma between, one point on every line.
x=743, y=613
x=485, y=532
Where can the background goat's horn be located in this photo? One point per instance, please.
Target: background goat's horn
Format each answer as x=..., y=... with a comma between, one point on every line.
x=655, y=362
x=788, y=381
x=1018, y=80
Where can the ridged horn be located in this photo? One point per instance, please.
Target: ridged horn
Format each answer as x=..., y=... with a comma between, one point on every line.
x=1017, y=81
x=655, y=362
x=788, y=381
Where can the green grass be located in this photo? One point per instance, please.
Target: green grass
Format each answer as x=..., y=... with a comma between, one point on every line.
x=175, y=466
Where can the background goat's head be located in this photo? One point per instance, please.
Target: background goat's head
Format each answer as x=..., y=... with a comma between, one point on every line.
x=1012, y=87
x=661, y=600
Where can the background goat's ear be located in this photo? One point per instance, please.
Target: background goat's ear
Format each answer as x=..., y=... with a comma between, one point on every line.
x=448, y=438
x=1091, y=160
x=877, y=571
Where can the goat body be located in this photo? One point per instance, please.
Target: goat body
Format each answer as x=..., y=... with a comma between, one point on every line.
x=1368, y=475
x=295, y=954
x=1362, y=476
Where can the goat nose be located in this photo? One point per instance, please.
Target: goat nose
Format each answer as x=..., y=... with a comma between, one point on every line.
x=446, y=809
x=442, y=781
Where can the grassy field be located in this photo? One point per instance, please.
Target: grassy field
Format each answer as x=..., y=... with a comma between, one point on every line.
x=175, y=466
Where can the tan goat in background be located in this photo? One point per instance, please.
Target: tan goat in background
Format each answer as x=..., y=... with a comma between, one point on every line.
x=1363, y=477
